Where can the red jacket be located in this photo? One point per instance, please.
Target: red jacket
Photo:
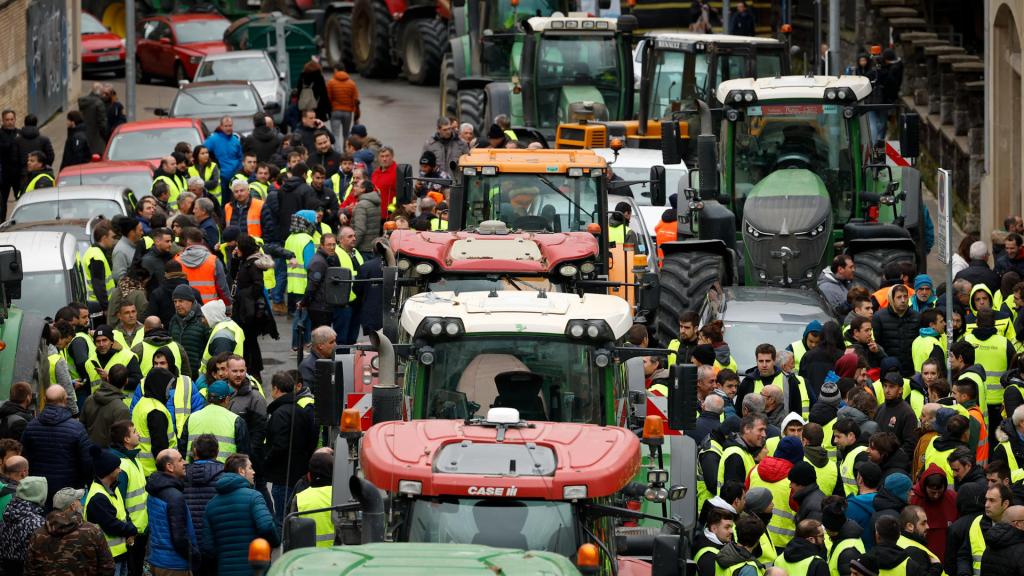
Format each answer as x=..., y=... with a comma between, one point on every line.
x=384, y=180
x=940, y=513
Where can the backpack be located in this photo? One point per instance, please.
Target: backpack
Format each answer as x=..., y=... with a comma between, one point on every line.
x=307, y=100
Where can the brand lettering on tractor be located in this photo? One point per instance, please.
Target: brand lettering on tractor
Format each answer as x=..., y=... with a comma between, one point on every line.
x=492, y=491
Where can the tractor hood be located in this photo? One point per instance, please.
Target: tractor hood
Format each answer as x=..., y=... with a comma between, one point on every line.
x=514, y=252
x=787, y=221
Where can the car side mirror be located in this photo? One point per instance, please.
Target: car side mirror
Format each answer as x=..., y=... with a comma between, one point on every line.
x=165, y=40
x=657, y=184
x=282, y=75
x=160, y=111
x=272, y=107
x=707, y=163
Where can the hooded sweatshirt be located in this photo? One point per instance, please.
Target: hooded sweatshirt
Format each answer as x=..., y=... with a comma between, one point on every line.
x=732, y=554
x=970, y=503
x=103, y=408
x=155, y=387
x=941, y=513
x=800, y=549
x=891, y=499
x=194, y=256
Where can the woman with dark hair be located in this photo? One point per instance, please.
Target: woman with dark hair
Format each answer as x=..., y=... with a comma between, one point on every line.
x=251, y=308
x=713, y=333
x=313, y=91
x=203, y=166
x=818, y=361
x=884, y=450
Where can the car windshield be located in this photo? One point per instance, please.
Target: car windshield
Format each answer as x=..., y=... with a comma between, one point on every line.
x=39, y=291
x=743, y=338
x=225, y=100
x=518, y=524
x=461, y=380
x=69, y=209
x=194, y=31
x=552, y=202
x=572, y=68
x=90, y=25
x=252, y=68
x=780, y=135
x=138, y=182
x=149, y=144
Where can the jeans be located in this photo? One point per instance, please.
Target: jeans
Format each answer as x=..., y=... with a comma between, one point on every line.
x=121, y=565
x=346, y=324
x=282, y=496
x=342, y=120
x=281, y=279
x=301, y=320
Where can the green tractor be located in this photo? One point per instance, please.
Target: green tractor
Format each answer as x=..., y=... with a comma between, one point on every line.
x=22, y=347
x=486, y=42
x=800, y=182
x=567, y=68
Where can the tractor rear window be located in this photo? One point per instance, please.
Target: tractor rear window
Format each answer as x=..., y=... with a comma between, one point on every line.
x=489, y=459
x=465, y=379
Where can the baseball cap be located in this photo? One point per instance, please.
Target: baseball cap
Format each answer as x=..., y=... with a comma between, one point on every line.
x=66, y=496
x=219, y=389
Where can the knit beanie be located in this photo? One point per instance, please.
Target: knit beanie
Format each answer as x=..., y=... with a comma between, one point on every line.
x=705, y=354
x=846, y=366
x=790, y=448
x=898, y=484
x=103, y=461
x=757, y=499
x=922, y=280
x=829, y=393
x=183, y=292
x=803, y=474
x=833, y=515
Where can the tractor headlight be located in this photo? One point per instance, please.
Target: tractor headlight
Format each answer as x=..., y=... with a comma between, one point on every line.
x=587, y=268
x=732, y=115
x=489, y=170
x=424, y=268
x=602, y=358
x=404, y=264
x=426, y=356
x=574, y=492
x=410, y=487
x=656, y=495
x=591, y=329
x=434, y=327
x=568, y=270
x=657, y=476
x=577, y=330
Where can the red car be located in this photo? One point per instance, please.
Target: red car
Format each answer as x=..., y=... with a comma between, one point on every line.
x=101, y=50
x=171, y=46
x=151, y=140
x=136, y=176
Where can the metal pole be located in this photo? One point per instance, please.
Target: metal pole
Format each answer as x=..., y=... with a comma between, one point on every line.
x=817, y=37
x=834, y=62
x=129, y=59
x=947, y=224
x=725, y=16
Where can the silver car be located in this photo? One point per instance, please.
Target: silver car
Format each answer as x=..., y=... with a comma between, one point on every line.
x=253, y=66
x=73, y=202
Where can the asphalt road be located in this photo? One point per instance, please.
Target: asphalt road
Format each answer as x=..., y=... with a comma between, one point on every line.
x=396, y=113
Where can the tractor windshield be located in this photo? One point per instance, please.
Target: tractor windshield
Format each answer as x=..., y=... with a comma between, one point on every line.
x=502, y=16
x=503, y=523
x=577, y=68
x=667, y=89
x=472, y=374
x=776, y=136
x=551, y=202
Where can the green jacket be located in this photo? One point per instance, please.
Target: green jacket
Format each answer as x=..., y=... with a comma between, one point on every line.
x=192, y=333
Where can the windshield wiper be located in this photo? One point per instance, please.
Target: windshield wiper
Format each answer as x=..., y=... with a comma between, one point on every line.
x=550, y=185
x=205, y=103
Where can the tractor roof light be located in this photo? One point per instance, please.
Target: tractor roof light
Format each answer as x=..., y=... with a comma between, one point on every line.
x=741, y=97
x=577, y=492
x=597, y=330
x=390, y=226
x=351, y=420
x=575, y=172
x=410, y=487
x=556, y=24
x=594, y=228
x=588, y=557
x=259, y=552
x=654, y=429
x=588, y=24
x=602, y=25
x=435, y=327
x=615, y=144
x=787, y=28
x=469, y=171
x=489, y=170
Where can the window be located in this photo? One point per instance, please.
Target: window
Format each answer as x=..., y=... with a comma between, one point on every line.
x=251, y=69
x=553, y=202
x=582, y=61
x=147, y=144
x=69, y=209
x=39, y=291
x=227, y=100
x=195, y=31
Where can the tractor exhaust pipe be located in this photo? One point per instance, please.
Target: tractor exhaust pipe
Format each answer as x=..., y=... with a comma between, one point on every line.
x=706, y=129
x=372, y=507
x=387, y=395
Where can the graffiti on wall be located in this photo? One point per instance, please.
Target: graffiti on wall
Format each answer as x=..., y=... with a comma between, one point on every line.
x=47, y=56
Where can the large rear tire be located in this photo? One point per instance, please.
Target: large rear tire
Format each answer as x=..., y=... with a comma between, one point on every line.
x=685, y=280
x=472, y=105
x=422, y=51
x=338, y=40
x=449, y=88
x=870, y=265
x=371, y=39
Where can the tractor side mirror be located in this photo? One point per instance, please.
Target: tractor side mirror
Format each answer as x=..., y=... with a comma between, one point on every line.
x=650, y=291
x=682, y=398
x=707, y=163
x=657, y=184
x=403, y=181
x=604, y=4
x=627, y=23
x=11, y=273
x=458, y=3
x=670, y=152
x=299, y=532
x=339, y=286
x=910, y=135
x=666, y=554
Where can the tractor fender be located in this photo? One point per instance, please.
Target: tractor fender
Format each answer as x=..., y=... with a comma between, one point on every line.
x=418, y=12
x=458, y=57
x=892, y=243
x=457, y=15
x=714, y=246
x=499, y=99
x=683, y=470
x=473, y=82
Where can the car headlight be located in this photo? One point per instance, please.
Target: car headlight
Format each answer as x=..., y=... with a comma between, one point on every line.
x=195, y=59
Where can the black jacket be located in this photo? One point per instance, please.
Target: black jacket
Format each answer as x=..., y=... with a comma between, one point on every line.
x=331, y=161
x=885, y=504
x=734, y=469
x=897, y=334
x=979, y=272
x=889, y=556
x=101, y=512
x=160, y=302
x=799, y=549
x=970, y=502
x=288, y=441
x=706, y=422
x=849, y=531
x=10, y=164
x=94, y=112
x=897, y=462
x=898, y=417
x=13, y=419
x=920, y=556
x=315, y=298
x=76, y=148
x=1004, y=551
x=976, y=475
x=751, y=377
x=998, y=453
x=156, y=420
x=814, y=366
x=293, y=196
x=30, y=140
x=808, y=500
x=822, y=412
x=706, y=563
x=262, y=143
x=155, y=262
x=58, y=448
x=743, y=24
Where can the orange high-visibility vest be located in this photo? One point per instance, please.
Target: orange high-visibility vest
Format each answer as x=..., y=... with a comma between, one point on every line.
x=252, y=216
x=203, y=278
x=665, y=232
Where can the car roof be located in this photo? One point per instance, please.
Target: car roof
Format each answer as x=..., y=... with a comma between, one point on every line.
x=636, y=158
x=235, y=55
x=80, y=192
x=762, y=304
x=214, y=84
x=158, y=124
x=188, y=16
x=41, y=251
x=693, y=37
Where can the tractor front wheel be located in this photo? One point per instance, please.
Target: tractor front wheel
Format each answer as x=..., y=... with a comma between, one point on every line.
x=472, y=104
x=685, y=280
x=371, y=39
x=449, y=88
x=422, y=51
x=870, y=265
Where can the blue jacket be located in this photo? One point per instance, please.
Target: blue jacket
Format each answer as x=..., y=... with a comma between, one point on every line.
x=227, y=151
x=859, y=508
x=198, y=402
x=172, y=539
x=58, y=448
x=200, y=487
x=236, y=515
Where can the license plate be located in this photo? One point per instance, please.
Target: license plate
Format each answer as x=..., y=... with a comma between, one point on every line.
x=108, y=58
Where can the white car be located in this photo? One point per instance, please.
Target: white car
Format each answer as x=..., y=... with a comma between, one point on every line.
x=635, y=164
x=52, y=273
x=73, y=202
x=253, y=66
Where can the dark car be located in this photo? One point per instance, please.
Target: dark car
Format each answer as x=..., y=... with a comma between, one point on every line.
x=753, y=315
x=211, y=101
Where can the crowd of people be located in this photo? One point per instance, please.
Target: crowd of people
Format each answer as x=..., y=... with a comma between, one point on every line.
x=854, y=450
